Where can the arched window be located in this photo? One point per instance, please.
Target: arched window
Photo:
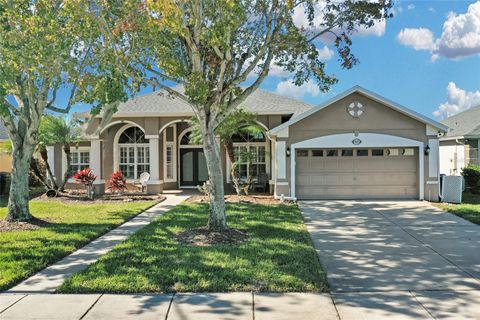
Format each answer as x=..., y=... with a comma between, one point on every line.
x=250, y=154
x=134, y=153
x=186, y=139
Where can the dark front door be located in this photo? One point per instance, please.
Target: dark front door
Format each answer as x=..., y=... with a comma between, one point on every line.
x=193, y=167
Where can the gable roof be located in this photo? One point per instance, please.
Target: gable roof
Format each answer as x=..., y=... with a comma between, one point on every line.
x=158, y=103
x=464, y=124
x=370, y=95
x=3, y=131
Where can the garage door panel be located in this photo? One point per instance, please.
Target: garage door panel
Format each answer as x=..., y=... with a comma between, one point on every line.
x=357, y=177
x=386, y=178
x=385, y=192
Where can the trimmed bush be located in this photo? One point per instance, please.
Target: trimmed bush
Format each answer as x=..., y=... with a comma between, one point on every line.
x=471, y=174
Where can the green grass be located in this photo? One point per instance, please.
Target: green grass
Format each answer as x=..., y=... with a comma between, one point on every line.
x=278, y=257
x=22, y=253
x=469, y=209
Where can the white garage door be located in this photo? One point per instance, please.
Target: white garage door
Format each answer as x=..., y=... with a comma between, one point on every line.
x=390, y=173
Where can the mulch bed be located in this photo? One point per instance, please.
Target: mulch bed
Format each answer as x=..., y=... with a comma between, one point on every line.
x=72, y=196
x=203, y=237
x=253, y=199
x=32, y=224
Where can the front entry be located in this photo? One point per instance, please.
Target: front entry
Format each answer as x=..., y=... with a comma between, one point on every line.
x=193, y=167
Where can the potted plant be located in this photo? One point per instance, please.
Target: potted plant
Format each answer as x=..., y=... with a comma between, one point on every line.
x=86, y=177
x=117, y=182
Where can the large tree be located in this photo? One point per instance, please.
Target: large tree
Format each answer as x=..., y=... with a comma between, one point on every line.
x=53, y=54
x=220, y=51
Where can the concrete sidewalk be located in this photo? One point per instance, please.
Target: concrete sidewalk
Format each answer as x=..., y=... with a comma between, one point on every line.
x=215, y=306
x=243, y=306
x=52, y=277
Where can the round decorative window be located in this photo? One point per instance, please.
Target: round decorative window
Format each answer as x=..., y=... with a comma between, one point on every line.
x=355, y=109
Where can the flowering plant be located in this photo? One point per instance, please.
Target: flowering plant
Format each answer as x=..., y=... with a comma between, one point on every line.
x=117, y=182
x=85, y=177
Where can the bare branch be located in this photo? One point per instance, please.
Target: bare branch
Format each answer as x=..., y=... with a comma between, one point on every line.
x=11, y=107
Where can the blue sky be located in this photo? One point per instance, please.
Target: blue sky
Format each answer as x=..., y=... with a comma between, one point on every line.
x=428, y=55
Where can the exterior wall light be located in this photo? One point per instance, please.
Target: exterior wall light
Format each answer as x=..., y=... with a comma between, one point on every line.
x=427, y=150
x=288, y=151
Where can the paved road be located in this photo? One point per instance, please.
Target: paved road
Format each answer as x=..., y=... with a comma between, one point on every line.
x=404, y=258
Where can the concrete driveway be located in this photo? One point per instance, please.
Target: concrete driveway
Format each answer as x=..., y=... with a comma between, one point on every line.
x=403, y=258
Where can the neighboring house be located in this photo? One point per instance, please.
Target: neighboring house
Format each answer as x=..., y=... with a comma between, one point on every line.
x=358, y=145
x=461, y=145
x=5, y=159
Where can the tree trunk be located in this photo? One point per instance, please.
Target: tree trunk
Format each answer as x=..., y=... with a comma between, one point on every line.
x=228, y=144
x=68, y=173
x=50, y=178
x=18, y=209
x=217, y=220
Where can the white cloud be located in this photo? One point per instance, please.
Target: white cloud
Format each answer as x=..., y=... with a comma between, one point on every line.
x=460, y=36
x=432, y=9
x=288, y=88
x=411, y=6
x=325, y=53
x=417, y=38
x=458, y=100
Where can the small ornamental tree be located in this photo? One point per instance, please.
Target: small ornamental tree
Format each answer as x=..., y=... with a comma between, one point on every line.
x=86, y=177
x=117, y=182
x=54, y=130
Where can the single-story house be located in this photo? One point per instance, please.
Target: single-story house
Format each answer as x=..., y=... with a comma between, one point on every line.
x=357, y=145
x=461, y=144
x=5, y=159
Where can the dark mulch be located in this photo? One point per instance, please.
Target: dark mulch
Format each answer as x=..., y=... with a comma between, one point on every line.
x=203, y=237
x=250, y=199
x=32, y=224
x=81, y=197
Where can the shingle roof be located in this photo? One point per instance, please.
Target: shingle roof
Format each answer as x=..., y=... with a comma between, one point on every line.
x=160, y=104
x=466, y=123
x=3, y=131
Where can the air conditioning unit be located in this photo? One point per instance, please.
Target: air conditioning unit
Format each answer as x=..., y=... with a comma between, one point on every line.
x=451, y=188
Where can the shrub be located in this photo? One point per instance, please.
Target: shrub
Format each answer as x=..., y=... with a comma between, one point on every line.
x=117, y=182
x=86, y=177
x=471, y=174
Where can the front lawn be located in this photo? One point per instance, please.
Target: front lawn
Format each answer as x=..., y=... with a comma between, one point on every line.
x=469, y=209
x=69, y=226
x=278, y=257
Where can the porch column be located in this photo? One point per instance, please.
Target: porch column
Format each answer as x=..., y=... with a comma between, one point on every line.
x=96, y=165
x=154, y=185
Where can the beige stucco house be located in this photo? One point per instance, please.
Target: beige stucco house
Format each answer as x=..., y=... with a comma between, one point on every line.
x=357, y=145
x=461, y=144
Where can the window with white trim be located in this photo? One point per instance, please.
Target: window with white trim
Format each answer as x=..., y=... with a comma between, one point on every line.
x=250, y=154
x=169, y=162
x=79, y=160
x=134, y=153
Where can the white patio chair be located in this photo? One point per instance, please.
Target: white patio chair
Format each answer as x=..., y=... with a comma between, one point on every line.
x=142, y=181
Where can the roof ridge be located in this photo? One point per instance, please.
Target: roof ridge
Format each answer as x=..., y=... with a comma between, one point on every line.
x=461, y=112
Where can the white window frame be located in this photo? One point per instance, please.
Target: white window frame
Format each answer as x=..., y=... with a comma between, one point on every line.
x=135, y=147
x=173, y=145
x=117, y=145
x=72, y=150
x=265, y=144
